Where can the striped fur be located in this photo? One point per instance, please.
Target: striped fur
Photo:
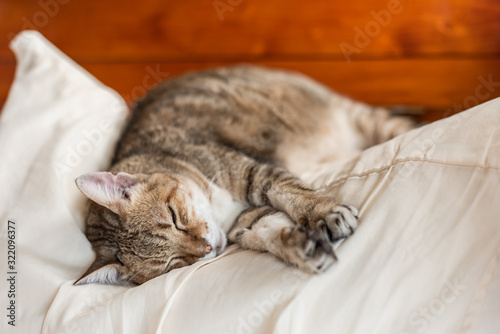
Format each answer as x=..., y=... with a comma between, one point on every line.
x=215, y=154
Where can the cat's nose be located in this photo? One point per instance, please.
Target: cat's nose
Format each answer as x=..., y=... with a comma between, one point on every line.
x=208, y=249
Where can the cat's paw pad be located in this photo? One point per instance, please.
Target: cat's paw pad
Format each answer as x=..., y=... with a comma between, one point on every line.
x=307, y=249
x=340, y=223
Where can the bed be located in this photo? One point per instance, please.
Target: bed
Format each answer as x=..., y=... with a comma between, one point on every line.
x=425, y=258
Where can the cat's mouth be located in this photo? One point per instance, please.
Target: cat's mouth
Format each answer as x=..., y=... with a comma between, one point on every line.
x=221, y=244
x=216, y=247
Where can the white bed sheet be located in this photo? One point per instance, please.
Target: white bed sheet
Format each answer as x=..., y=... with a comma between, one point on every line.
x=425, y=258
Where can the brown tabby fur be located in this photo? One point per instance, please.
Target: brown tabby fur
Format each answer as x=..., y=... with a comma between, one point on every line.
x=215, y=154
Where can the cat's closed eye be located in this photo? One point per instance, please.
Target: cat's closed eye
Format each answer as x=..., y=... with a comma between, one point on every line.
x=175, y=221
x=172, y=212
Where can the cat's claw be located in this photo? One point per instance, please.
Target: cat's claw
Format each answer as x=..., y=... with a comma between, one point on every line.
x=334, y=220
x=341, y=223
x=308, y=249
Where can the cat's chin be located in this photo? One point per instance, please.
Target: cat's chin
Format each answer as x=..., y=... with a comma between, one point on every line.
x=209, y=256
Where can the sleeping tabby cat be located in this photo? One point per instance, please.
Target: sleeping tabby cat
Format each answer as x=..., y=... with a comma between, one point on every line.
x=215, y=155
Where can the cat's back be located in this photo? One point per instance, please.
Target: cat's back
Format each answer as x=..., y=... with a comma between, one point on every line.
x=237, y=93
x=233, y=106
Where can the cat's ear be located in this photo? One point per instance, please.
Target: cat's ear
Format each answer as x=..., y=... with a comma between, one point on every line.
x=108, y=189
x=104, y=270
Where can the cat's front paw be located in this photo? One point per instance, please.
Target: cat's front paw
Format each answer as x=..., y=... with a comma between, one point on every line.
x=336, y=221
x=307, y=249
x=341, y=222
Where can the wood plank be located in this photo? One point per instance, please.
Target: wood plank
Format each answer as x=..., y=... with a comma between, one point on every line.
x=441, y=87
x=190, y=30
x=6, y=79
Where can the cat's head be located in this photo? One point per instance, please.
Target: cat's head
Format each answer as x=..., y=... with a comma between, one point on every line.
x=142, y=226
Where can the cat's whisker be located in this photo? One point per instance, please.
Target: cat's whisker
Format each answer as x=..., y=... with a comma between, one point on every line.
x=129, y=280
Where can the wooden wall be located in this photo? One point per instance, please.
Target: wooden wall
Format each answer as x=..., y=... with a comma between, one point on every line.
x=439, y=56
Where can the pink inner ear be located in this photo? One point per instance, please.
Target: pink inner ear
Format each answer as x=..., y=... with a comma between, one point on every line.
x=123, y=180
x=108, y=180
x=107, y=188
x=100, y=179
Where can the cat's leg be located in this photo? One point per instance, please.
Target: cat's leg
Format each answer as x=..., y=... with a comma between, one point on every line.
x=376, y=125
x=266, y=229
x=260, y=184
x=269, y=185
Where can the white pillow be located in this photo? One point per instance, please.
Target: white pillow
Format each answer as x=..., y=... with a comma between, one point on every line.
x=425, y=258
x=57, y=123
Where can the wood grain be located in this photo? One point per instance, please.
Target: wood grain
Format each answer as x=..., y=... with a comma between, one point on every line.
x=426, y=53
x=155, y=30
x=444, y=86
